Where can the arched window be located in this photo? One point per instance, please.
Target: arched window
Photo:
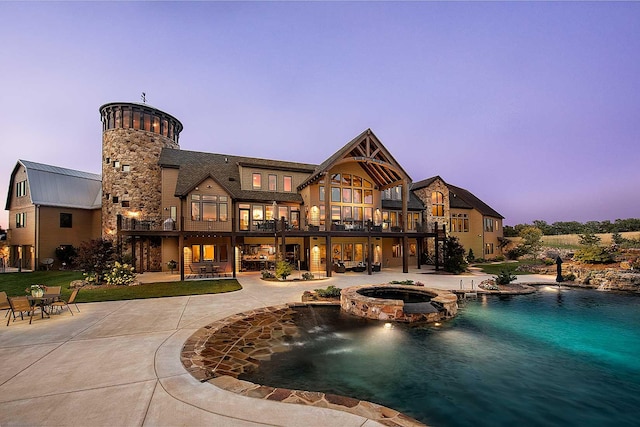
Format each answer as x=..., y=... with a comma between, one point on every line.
x=437, y=204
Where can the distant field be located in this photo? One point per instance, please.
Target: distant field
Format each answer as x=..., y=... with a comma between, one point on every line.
x=571, y=240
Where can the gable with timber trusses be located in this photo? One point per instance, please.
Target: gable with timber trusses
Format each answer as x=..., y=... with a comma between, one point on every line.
x=371, y=155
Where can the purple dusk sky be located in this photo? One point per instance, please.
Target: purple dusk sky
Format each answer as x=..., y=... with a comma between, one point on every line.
x=533, y=107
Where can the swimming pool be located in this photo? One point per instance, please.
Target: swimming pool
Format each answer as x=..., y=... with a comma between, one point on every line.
x=555, y=357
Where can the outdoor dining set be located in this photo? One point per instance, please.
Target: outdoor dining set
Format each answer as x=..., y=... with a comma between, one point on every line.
x=47, y=299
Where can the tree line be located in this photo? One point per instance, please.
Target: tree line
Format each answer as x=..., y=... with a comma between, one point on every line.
x=575, y=227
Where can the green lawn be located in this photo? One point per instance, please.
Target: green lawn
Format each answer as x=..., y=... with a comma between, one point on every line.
x=14, y=284
x=495, y=268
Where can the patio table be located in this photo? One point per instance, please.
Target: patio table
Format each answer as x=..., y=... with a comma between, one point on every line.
x=43, y=302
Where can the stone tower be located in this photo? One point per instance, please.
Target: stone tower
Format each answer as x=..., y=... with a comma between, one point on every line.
x=132, y=137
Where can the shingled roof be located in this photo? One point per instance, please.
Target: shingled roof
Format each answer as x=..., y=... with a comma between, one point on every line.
x=415, y=204
x=459, y=197
x=196, y=166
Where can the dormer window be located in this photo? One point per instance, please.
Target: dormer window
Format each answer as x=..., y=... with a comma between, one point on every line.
x=256, y=181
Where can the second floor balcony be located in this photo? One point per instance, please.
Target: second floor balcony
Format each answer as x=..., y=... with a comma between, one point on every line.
x=265, y=226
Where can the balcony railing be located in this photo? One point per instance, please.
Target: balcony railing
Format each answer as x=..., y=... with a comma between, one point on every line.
x=190, y=225
x=271, y=226
x=263, y=226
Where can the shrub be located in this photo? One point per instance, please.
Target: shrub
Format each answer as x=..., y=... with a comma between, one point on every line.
x=548, y=261
x=489, y=284
x=266, y=274
x=593, y=255
x=283, y=269
x=505, y=277
x=95, y=257
x=516, y=252
x=569, y=277
x=120, y=274
x=401, y=282
x=307, y=276
x=454, y=256
x=330, y=292
x=66, y=254
x=617, y=238
x=531, y=240
x=588, y=239
x=470, y=256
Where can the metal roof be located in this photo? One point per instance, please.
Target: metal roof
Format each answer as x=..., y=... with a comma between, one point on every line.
x=56, y=186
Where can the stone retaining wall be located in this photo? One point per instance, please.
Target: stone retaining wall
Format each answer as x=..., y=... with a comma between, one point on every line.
x=609, y=278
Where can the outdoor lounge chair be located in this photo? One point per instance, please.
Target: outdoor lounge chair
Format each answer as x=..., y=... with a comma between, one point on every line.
x=72, y=300
x=21, y=305
x=339, y=267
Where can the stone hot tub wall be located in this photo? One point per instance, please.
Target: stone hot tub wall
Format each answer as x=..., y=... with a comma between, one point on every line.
x=390, y=309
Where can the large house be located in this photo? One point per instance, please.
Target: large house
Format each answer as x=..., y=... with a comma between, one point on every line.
x=210, y=212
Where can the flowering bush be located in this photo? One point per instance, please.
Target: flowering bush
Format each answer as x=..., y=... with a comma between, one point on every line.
x=36, y=290
x=120, y=274
x=91, y=278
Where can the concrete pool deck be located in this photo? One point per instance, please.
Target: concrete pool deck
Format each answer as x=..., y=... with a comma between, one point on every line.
x=118, y=363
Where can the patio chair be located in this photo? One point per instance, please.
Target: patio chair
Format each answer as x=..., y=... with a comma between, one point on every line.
x=210, y=269
x=4, y=303
x=53, y=290
x=223, y=269
x=194, y=273
x=21, y=305
x=72, y=300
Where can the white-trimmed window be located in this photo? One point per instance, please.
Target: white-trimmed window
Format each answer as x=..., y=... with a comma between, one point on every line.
x=459, y=223
x=21, y=220
x=256, y=181
x=21, y=188
x=288, y=184
x=273, y=182
x=488, y=225
x=206, y=207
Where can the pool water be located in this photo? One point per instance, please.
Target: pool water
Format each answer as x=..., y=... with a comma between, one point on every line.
x=552, y=358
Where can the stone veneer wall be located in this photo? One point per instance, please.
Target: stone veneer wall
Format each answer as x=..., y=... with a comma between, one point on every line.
x=389, y=309
x=424, y=194
x=141, y=186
